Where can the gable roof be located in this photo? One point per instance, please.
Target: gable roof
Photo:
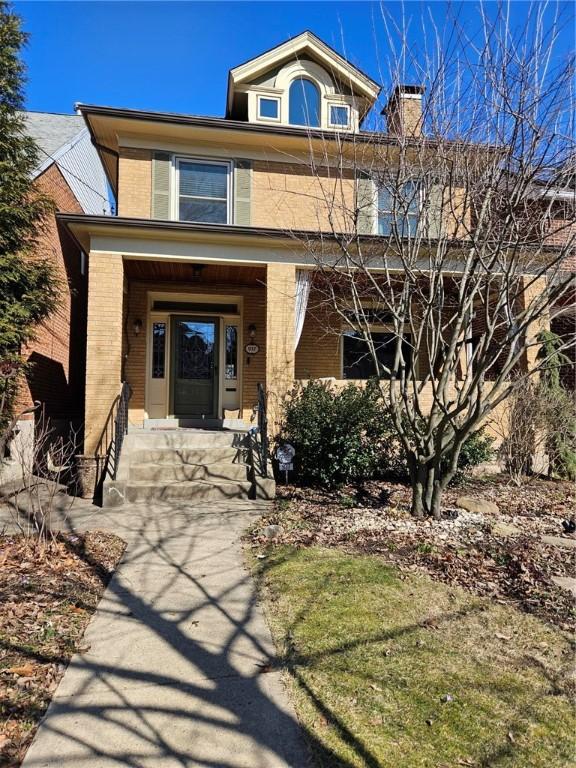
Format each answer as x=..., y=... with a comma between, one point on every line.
x=52, y=131
x=306, y=43
x=64, y=140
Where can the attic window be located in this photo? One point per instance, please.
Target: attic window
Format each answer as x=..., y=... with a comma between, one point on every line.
x=268, y=108
x=339, y=115
x=304, y=106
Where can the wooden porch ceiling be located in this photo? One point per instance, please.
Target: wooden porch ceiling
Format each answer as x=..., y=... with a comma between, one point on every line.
x=145, y=270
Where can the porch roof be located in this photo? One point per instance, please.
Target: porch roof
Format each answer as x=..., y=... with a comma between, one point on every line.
x=138, y=238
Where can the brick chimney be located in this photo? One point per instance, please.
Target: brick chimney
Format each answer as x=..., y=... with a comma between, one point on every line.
x=404, y=110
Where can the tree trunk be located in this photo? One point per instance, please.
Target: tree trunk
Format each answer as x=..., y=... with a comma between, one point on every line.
x=428, y=486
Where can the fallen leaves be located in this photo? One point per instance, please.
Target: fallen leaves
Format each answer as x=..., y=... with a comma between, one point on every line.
x=518, y=569
x=25, y=670
x=47, y=594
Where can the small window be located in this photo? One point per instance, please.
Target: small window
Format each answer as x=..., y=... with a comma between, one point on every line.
x=304, y=103
x=398, y=209
x=158, y=350
x=203, y=191
x=339, y=116
x=268, y=109
x=231, y=364
x=357, y=359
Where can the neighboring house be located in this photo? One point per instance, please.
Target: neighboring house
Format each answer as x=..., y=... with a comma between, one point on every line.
x=198, y=288
x=71, y=174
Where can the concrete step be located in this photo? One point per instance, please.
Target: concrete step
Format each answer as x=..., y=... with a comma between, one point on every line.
x=188, y=491
x=215, y=472
x=176, y=456
x=187, y=438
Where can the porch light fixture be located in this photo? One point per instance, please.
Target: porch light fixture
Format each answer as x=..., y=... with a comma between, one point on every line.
x=137, y=327
x=252, y=331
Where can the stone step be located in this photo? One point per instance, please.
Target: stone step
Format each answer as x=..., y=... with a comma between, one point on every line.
x=214, y=472
x=187, y=491
x=187, y=438
x=176, y=456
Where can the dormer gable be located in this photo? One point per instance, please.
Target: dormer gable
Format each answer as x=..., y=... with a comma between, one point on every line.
x=302, y=82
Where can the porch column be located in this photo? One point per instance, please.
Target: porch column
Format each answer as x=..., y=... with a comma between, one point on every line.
x=280, y=301
x=530, y=291
x=104, y=342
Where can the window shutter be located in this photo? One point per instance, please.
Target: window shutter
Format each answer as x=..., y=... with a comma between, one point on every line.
x=366, y=203
x=242, y=192
x=434, y=211
x=161, y=162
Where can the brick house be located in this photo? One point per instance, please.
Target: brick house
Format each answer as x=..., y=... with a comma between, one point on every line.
x=71, y=174
x=199, y=288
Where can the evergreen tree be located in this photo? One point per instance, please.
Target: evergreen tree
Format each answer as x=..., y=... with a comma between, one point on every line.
x=28, y=285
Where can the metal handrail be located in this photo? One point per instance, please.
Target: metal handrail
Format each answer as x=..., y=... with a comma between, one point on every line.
x=262, y=442
x=116, y=426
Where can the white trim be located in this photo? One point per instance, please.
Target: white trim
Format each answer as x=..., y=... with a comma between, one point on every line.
x=181, y=250
x=342, y=127
x=263, y=118
x=175, y=182
x=303, y=43
x=221, y=319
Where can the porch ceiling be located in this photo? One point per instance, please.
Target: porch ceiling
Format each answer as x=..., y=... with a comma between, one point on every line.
x=173, y=271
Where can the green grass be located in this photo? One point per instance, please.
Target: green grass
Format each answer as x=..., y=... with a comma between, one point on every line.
x=370, y=655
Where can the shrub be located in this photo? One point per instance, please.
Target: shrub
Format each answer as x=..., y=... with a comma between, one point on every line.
x=340, y=436
x=477, y=449
x=540, y=422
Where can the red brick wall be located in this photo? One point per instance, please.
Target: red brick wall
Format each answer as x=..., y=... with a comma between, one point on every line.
x=57, y=355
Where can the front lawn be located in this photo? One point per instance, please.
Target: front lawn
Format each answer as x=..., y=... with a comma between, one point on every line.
x=392, y=669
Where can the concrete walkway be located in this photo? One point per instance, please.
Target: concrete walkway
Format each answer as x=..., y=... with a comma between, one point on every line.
x=172, y=673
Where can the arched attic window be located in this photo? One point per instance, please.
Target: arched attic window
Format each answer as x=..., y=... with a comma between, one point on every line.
x=304, y=103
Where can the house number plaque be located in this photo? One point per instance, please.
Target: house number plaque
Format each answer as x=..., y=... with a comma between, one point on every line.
x=252, y=349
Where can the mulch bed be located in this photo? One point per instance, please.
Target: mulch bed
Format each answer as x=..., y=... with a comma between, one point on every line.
x=469, y=551
x=48, y=592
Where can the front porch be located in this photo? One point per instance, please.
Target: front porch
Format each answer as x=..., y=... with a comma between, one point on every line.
x=193, y=341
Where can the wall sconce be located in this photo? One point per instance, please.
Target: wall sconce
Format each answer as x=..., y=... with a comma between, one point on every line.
x=137, y=327
x=252, y=331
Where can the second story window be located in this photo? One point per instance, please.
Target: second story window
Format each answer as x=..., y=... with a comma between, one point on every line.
x=304, y=103
x=398, y=209
x=203, y=191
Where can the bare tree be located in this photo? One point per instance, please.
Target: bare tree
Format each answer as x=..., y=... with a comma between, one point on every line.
x=454, y=242
x=38, y=494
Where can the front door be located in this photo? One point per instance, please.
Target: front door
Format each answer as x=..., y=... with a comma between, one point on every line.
x=194, y=367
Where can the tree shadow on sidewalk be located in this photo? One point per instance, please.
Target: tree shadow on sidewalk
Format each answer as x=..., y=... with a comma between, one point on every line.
x=161, y=689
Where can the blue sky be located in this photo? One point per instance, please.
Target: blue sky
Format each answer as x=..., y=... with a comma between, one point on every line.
x=175, y=56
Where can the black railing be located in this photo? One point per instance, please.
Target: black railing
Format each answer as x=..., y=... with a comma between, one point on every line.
x=262, y=430
x=120, y=424
x=257, y=438
x=116, y=427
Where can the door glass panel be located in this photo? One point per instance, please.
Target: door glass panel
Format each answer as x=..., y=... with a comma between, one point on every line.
x=158, y=349
x=231, y=352
x=195, y=355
